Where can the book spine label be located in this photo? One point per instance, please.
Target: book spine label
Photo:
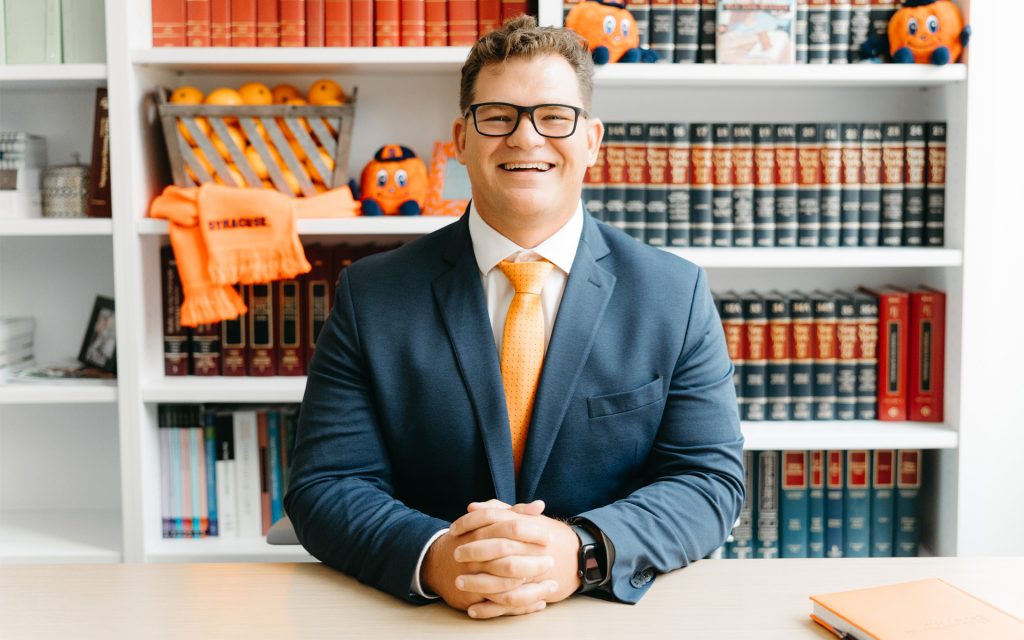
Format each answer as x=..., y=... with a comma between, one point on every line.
x=849, y=215
x=860, y=27
x=809, y=150
x=794, y=504
x=220, y=23
x=262, y=354
x=316, y=34
x=830, y=205
x=386, y=23
x=268, y=23
x=708, y=31
x=857, y=506
x=615, y=177
x=801, y=367
x=168, y=23
x=635, y=200
x=291, y=349
x=871, y=185
x=687, y=28
x=293, y=23
x=846, y=358
x=679, y=201
x=926, y=355
x=883, y=480
x=816, y=505
x=755, y=356
x=914, y=169
x=834, y=518
x=892, y=184
x=819, y=31
x=824, y=357
x=764, y=185
x=656, y=205
x=721, y=193
x=935, y=187
x=742, y=185
x=436, y=15
x=867, y=356
x=593, y=186
x=197, y=23
x=742, y=544
x=338, y=23
x=779, y=355
x=839, y=31
x=177, y=345
x=702, y=183
x=234, y=345
x=243, y=23
x=662, y=31
x=206, y=350
x=488, y=16
x=892, y=356
x=362, y=23
x=786, y=177
x=413, y=30
x=731, y=312
x=462, y=23
x=767, y=504
x=800, y=32
x=906, y=509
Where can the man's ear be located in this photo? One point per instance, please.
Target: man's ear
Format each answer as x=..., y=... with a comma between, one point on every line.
x=459, y=127
x=595, y=133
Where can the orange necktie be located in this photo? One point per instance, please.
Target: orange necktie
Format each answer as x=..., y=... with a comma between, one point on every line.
x=522, y=347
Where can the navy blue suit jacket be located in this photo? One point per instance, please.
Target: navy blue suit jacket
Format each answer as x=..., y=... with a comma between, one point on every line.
x=404, y=423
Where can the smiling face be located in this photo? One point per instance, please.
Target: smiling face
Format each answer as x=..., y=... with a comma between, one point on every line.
x=525, y=185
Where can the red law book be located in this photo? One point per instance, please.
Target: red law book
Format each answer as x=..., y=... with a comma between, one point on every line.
x=168, y=23
x=220, y=23
x=513, y=8
x=386, y=21
x=293, y=23
x=338, y=23
x=413, y=30
x=317, y=295
x=268, y=23
x=436, y=15
x=177, y=345
x=315, y=23
x=234, y=344
x=362, y=23
x=290, y=351
x=926, y=354
x=243, y=23
x=893, y=321
x=488, y=16
x=462, y=23
x=262, y=353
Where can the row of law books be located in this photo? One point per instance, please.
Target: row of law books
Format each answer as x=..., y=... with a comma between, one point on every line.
x=855, y=503
x=223, y=470
x=869, y=354
x=772, y=185
x=758, y=31
x=275, y=337
x=328, y=23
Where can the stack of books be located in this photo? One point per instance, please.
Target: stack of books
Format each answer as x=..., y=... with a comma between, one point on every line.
x=22, y=161
x=16, y=344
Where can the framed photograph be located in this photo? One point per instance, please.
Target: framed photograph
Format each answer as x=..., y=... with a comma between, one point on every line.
x=98, y=346
x=449, y=191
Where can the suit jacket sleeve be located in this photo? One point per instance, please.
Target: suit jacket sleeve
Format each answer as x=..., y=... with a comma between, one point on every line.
x=694, y=475
x=340, y=497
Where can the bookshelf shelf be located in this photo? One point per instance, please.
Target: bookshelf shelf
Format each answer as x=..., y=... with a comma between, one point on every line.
x=64, y=536
x=821, y=258
x=42, y=76
x=44, y=227
x=225, y=389
x=866, y=434
x=334, y=60
x=775, y=76
x=224, y=550
x=92, y=392
x=376, y=226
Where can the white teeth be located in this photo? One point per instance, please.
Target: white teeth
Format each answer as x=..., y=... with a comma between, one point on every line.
x=540, y=166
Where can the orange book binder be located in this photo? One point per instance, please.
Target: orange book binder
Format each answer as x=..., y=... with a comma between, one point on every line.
x=930, y=609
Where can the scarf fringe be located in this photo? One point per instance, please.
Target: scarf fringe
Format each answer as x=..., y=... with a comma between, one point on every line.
x=210, y=305
x=256, y=266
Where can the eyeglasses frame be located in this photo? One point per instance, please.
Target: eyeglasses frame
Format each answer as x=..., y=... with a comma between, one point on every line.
x=578, y=111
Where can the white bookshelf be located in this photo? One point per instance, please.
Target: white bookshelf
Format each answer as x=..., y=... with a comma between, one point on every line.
x=224, y=389
x=855, y=434
x=64, y=536
x=71, y=392
x=43, y=227
x=50, y=76
x=774, y=76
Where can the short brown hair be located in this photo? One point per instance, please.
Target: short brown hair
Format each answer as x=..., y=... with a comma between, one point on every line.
x=520, y=37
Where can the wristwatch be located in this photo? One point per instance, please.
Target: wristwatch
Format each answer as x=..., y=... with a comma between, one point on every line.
x=592, y=557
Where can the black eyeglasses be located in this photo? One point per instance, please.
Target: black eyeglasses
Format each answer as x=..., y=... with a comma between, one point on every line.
x=499, y=119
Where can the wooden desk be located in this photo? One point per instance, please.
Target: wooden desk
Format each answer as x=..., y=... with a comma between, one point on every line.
x=712, y=599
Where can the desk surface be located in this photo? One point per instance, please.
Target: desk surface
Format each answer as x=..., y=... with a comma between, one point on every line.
x=711, y=599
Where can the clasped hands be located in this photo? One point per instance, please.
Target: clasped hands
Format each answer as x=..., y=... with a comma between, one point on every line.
x=502, y=560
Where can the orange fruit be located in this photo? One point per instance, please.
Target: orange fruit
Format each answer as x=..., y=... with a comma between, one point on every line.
x=324, y=90
x=328, y=162
x=291, y=181
x=224, y=96
x=186, y=95
x=236, y=136
x=267, y=184
x=256, y=93
x=256, y=162
x=319, y=187
x=203, y=160
x=282, y=92
x=236, y=176
x=202, y=123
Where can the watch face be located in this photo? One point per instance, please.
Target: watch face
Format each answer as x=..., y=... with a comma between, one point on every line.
x=591, y=568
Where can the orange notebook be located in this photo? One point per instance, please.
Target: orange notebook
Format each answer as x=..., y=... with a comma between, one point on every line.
x=929, y=609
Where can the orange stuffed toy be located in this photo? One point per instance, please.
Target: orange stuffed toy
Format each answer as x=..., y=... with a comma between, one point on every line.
x=394, y=182
x=927, y=31
x=610, y=31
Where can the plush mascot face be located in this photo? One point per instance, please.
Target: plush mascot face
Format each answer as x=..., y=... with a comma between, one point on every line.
x=604, y=25
x=925, y=28
x=395, y=175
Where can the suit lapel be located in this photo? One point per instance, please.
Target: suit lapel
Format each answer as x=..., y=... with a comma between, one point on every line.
x=460, y=301
x=584, y=301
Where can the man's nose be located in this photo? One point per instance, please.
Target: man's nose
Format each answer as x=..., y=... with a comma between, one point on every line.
x=525, y=133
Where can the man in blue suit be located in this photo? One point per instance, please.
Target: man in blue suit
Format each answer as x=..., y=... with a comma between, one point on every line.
x=418, y=468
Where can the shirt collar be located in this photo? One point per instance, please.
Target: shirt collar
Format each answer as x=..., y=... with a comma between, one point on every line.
x=490, y=247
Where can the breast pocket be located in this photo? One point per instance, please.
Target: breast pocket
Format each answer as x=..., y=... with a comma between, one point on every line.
x=618, y=403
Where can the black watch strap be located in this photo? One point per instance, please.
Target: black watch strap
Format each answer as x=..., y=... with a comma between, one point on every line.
x=592, y=558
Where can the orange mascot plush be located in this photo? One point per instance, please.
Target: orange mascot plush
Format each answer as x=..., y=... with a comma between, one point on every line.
x=394, y=182
x=610, y=31
x=927, y=31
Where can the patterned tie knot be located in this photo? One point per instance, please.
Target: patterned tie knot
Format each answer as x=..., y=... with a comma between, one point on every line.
x=526, y=277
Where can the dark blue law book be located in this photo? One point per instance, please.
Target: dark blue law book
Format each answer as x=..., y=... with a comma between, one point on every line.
x=662, y=31
x=881, y=12
x=702, y=184
x=893, y=167
x=839, y=32
x=641, y=11
x=847, y=325
x=656, y=194
x=816, y=505
x=767, y=531
x=742, y=544
x=679, y=185
x=834, y=485
x=935, y=186
x=635, y=200
x=808, y=204
x=742, y=185
x=849, y=215
x=883, y=480
x=824, y=356
x=708, y=31
x=907, y=507
x=830, y=203
x=914, y=169
x=794, y=506
x=786, y=178
x=857, y=505
x=871, y=184
x=687, y=27
x=867, y=355
x=779, y=350
x=730, y=310
x=800, y=32
x=615, y=174
x=209, y=424
x=860, y=27
x=764, y=185
x=801, y=364
x=721, y=193
x=755, y=357
x=819, y=31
